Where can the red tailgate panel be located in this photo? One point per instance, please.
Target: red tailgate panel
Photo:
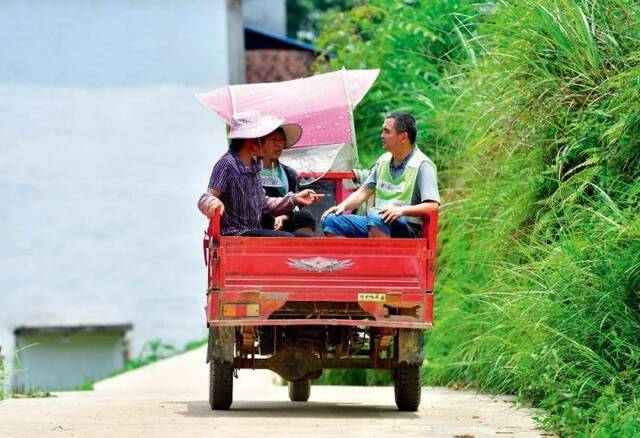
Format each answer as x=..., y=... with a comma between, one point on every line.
x=324, y=265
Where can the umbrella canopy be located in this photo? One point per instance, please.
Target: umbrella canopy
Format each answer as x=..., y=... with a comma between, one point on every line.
x=321, y=104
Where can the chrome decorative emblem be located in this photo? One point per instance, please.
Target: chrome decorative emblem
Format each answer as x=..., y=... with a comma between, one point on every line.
x=319, y=264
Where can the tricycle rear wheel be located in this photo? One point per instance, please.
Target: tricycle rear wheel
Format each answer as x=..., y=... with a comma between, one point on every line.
x=407, y=387
x=300, y=390
x=220, y=385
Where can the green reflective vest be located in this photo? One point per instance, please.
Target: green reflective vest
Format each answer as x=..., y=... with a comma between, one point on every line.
x=399, y=191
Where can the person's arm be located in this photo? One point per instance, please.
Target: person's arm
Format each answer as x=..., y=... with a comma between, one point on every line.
x=210, y=201
x=278, y=222
x=356, y=198
x=353, y=201
x=278, y=206
x=391, y=213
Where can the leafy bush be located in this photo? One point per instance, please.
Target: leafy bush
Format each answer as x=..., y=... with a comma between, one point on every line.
x=414, y=47
x=531, y=109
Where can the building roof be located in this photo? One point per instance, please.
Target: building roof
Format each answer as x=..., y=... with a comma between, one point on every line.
x=66, y=329
x=261, y=39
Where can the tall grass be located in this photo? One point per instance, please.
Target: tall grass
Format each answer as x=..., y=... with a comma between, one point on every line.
x=547, y=303
x=414, y=49
x=532, y=111
x=3, y=376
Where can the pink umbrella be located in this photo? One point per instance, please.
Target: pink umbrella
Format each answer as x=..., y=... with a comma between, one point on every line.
x=321, y=104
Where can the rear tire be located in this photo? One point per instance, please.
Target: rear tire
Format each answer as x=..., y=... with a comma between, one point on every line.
x=300, y=390
x=220, y=385
x=407, y=387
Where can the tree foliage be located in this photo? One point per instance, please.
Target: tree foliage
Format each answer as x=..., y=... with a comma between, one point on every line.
x=304, y=16
x=531, y=111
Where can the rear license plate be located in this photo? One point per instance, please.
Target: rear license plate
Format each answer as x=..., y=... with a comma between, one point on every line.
x=378, y=298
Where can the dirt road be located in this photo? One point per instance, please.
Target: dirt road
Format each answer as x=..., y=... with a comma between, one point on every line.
x=169, y=398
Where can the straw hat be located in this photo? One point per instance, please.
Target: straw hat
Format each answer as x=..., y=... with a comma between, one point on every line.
x=251, y=124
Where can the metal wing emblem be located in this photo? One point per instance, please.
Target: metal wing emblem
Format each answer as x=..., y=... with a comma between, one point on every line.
x=319, y=264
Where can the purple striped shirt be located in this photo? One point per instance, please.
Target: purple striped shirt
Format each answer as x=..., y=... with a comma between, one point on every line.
x=243, y=196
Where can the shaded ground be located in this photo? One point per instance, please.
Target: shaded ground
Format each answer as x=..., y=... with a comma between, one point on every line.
x=169, y=398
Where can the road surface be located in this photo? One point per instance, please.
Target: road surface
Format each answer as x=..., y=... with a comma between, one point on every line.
x=169, y=398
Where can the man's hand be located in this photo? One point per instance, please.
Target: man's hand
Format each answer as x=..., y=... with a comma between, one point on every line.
x=391, y=213
x=215, y=204
x=337, y=209
x=307, y=197
x=278, y=223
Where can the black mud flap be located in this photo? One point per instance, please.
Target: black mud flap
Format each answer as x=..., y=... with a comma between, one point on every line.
x=410, y=346
x=221, y=344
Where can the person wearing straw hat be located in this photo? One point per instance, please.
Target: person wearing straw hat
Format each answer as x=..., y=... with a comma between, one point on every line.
x=279, y=179
x=235, y=186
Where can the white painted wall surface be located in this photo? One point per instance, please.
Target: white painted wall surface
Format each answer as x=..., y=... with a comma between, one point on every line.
x=235, y=44
x=103, y=153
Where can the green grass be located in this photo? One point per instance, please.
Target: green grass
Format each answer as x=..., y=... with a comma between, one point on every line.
x=151, y=352
x=354, y=377
x=3, y=377
x=154, y=351
x=87, y=385
x=531, y=110
x=31, y=394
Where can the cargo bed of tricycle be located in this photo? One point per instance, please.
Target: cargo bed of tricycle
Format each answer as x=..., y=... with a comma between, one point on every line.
x=369, y=282
x=298, y=306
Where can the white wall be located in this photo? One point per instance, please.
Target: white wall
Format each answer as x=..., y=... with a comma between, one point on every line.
x=235, y=44
x=269, y=15
x=103, y=153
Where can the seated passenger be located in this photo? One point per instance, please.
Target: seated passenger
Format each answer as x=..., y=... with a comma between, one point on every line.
x=403, y=181
x=235, y=186
x=279, y=179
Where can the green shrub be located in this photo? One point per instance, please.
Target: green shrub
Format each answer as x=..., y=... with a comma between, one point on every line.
x=539, y=263
x=414, y=47
x=531, y=110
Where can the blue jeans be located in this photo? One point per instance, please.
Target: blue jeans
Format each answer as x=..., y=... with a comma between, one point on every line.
x=351, y=225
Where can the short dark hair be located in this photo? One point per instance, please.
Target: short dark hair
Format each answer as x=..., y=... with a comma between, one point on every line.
x=236, y=144
x=404, y=122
